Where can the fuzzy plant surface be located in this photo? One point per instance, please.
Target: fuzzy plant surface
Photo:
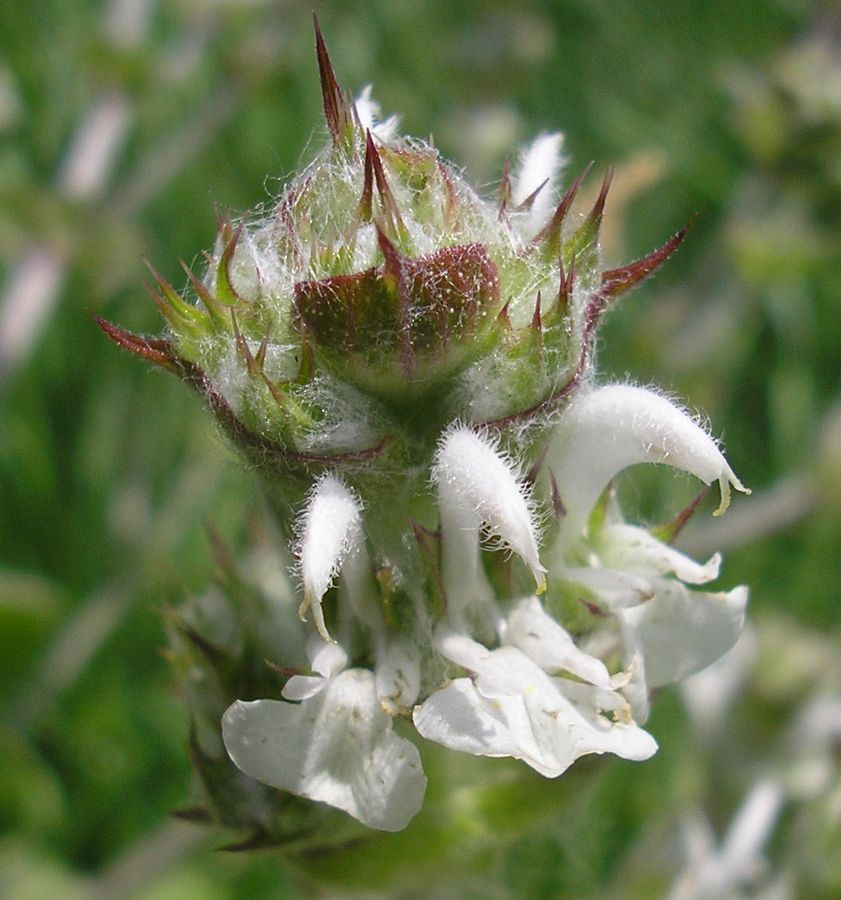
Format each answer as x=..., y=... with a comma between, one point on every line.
x=409, y=369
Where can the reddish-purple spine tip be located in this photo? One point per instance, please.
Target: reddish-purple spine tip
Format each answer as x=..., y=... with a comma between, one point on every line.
x=336, y=106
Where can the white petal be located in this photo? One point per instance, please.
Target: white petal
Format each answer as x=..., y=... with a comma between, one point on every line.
x=302, y=687
x=540, y=162
x=476, y=484
x=549, y=645
x=331, y=526
x=635, y=689
x=512, y=708
x=679, y=632
x=613, y=588
x=461, y=649
x=634, y=549
x=326, y=658
x=459, y=718
x=612, y=427
x=368, y=111
x=595, y=697
x=337, y=747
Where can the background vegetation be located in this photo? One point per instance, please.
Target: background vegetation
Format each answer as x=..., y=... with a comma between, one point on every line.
x=122, y=122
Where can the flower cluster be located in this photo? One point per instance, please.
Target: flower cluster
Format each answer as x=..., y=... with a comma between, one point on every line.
x=409, y=368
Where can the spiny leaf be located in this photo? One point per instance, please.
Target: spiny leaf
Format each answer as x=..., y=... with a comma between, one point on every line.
x=549, y=237
x=586, y=235
x=391, y=213
x=505, y=191
x=536, y=321
x=225, y=290
x=156, y=350
x=616, y=282
x=566, y=281
x=243, y=349
x=182, y=315
x=337, y=108
x=529, y=201
x=558, y=508
x=211, y=304
x=503, y=318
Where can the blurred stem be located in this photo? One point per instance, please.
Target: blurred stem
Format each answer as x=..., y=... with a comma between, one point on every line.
x=140, y=865
x=35, y=284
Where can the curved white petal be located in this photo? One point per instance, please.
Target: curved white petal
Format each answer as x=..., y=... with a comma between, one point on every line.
x=679, y=632
x=477, y=486
x=630, y=548
x=513, y=708
x=337, y=747
x=605, y=430
x=549, y=645
x=330, y=528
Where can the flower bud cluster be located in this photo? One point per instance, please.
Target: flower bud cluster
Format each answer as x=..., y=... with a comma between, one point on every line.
x=409, y=368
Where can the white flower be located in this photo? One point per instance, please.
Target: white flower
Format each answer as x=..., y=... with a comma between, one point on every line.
x=529, y=690
x=331, y=530
x=511, y=707
x=336, y=745
x=607, y=429
x=478, y=488
x=351, y=333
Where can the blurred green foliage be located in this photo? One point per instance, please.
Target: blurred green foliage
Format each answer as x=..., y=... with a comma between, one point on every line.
x=110, y=474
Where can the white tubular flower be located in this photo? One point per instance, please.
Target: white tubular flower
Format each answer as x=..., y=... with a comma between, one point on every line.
x=610, y=428
x=511, y=707
x=330, y=528
x=477, y=487
x=336, y=746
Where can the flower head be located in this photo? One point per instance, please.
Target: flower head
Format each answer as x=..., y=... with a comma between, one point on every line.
x=409, y=368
